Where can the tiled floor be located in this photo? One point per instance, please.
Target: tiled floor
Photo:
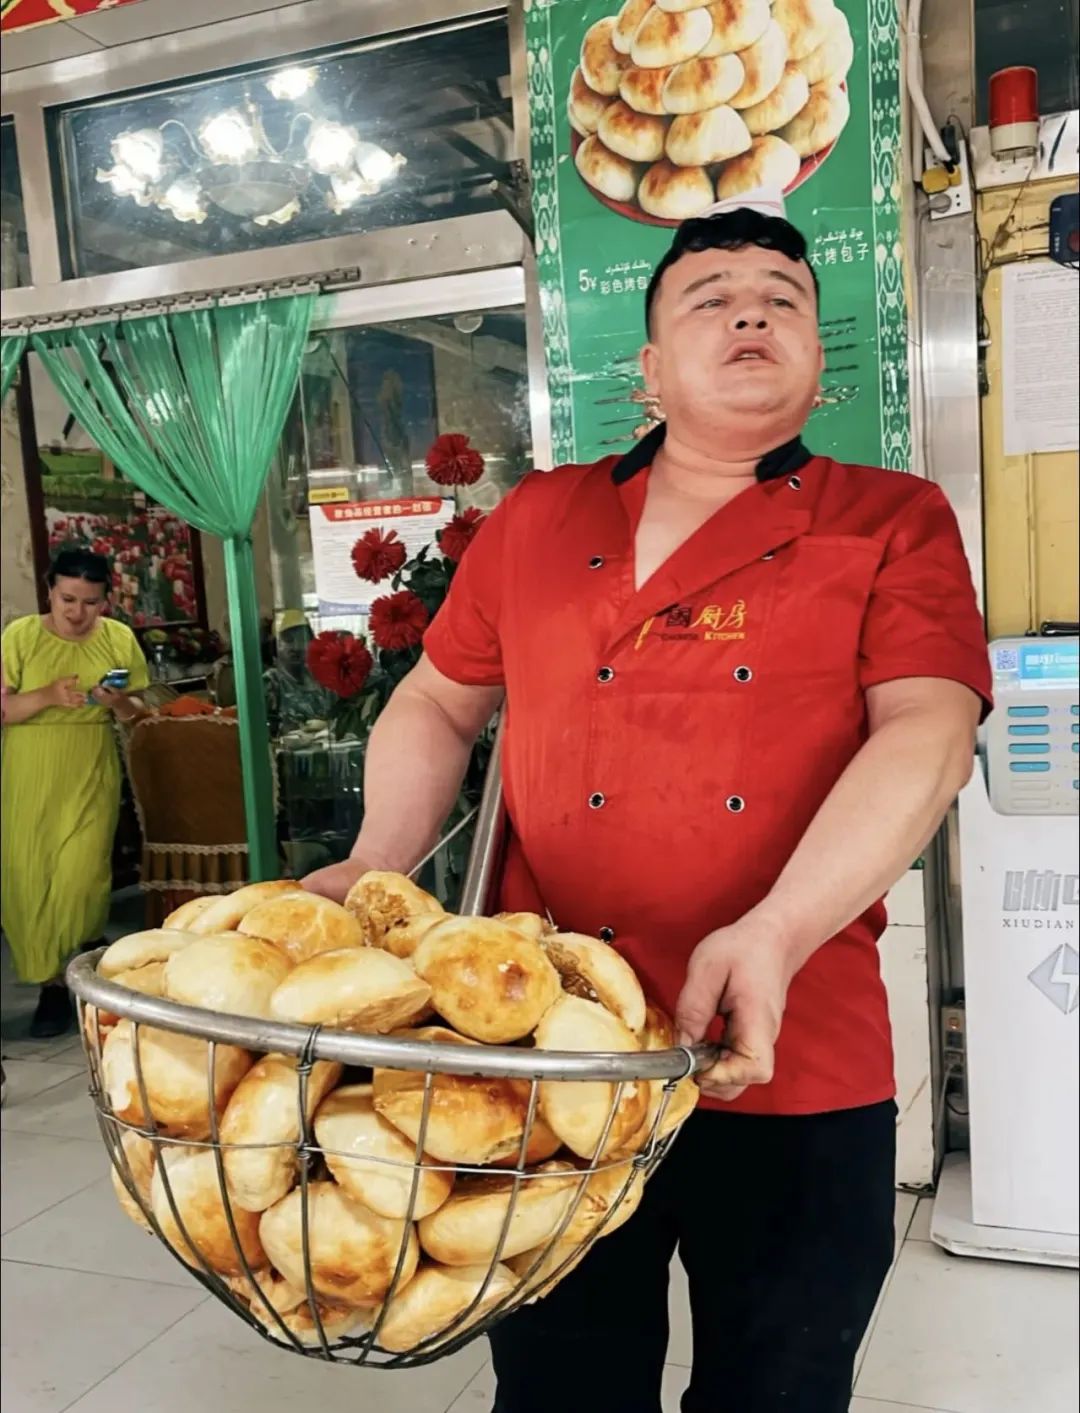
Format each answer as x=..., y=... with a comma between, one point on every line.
x=97, y=1318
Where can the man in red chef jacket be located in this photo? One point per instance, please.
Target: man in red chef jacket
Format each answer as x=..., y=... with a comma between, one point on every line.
x=743, y=683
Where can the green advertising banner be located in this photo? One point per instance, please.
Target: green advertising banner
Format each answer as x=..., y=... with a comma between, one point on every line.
x=641, y=116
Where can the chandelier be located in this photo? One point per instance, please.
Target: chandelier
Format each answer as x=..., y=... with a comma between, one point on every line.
x=230, y=163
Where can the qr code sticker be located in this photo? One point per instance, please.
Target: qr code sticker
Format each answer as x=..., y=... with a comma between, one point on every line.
x=1007, y=660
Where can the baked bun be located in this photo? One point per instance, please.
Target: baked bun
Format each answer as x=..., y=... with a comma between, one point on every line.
x=227, y=972
x=471, y=1120
x=781, y=105
x=466, y=1230
x=357, y=988
x=543, y=1144
x=186, y=913
x=626, y=24
x=663, y=38
x=491, y=983
x=384, y=901
x=771, y=162
x=696, y=139
x=677, y=7
x=763, y=64
x=612, y=176
x=303, y=924
x=141, y=949
x=675, y=193
x=265, y=1111
x=736, y=25
x=578, y=1110
x=820, y=122
x=636, y=136
x=175, y=1070
x=643, y=89
x=700, y=84
x=529, y=924
x=556, y=1263
x=595, y=971
x=196, y=1193
x=141, y=1157
x=616, y=1189
x=583, y=106
x=805, y=23
x=353, y=1251
x=436, y=1297
x=659, y=1034
x=833, y=57
x=372, y=1161
x=147, y=981
x=601, y=62
x=225, y=914
x=293, y=1310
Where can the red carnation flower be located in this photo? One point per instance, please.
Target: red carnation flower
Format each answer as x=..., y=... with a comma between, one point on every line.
x=398, y=621
x=377, y=556
x=451, y=461
x=339, y=662
x=456, y=537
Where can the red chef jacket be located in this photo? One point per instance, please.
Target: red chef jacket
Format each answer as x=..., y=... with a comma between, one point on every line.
x=667, y=748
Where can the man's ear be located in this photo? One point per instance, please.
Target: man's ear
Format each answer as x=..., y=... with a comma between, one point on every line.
x=650, y=367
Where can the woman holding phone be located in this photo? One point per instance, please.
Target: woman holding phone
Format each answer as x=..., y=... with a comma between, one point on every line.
x=66, y=673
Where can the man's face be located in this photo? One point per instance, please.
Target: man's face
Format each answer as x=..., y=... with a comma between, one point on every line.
x=735, y=344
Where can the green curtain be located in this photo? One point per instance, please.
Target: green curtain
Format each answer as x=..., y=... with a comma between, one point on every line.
x=191, y=406
x=11, y=351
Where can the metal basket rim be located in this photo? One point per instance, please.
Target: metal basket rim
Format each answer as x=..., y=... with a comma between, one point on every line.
x=378, y=1051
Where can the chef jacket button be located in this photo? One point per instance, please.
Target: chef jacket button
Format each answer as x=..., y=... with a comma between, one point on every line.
x=735, y=803
x=597, y=801
x=742, y=674
x=597, y=562
x=606, y=674
x=606, y=934
x=795, y=482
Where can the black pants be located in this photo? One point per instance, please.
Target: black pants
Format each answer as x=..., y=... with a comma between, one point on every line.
x=785, y=1228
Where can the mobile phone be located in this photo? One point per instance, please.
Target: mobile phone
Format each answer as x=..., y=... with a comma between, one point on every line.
x=116, y=679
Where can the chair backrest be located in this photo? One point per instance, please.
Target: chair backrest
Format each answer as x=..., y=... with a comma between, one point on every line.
x=186, y=779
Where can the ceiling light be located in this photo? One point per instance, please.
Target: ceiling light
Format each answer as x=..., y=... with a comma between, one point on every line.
x=375, y=164
x=140, y=152
x=228, y=137
x=290, y=84
x=330, y=147
x=184, y=198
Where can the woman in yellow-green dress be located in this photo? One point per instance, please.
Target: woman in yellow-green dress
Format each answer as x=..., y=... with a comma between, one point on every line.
x=61, y=775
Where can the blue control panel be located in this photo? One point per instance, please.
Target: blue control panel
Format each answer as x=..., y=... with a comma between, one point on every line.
x=1033, y=736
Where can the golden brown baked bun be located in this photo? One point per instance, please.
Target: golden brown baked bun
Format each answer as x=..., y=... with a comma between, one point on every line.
x=227, y=972
x=805, y=23
x=357, y=988
x=583, y=106
x=193, y=1180
x=643, y=89
x=301, y=925
x=141, y=949
x=436, y=1297
x=555, y=1265
x=736, y=25
x=700, y=84
x=141, y=1158
x=771, y=162
x=617, y=1189
x=147, y=981
x=626, y=24
x=697, y=139
x=372, y=1161
x=489, y=982
x=663, y=38
x=293, y=1308
x=763, y=65
x=265, y=1110
x=611, y=175
x=187, y=912
x=635, y=136
x=593, y=970
x=530, y=924
x=382, y=902
x=465, y=1230
x=225, y=914
x=471, y=1120
x=578, y=1110
x=780, y=106
x=543, y=1144
x=820, y=122
x=354, y=1252
x=677, y=7
x=675, y=193
x=601, y=62
x=175, y=1070
x=833, y=57
x=659, y=1034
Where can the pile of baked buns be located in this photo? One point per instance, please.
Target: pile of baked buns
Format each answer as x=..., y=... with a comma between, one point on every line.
x=390, y=962
x=679, y=104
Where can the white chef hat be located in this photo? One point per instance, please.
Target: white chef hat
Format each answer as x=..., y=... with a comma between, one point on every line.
x=768, y=200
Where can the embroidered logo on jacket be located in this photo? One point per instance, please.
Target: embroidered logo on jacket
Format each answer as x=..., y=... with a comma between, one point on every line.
x=715, y=623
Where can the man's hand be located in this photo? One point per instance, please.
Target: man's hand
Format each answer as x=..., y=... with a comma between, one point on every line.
x=335, y=881
x=64, y=692
x=742, y=973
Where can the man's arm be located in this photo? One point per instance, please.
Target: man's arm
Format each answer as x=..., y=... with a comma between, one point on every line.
x=874, y=823
x=416, y=760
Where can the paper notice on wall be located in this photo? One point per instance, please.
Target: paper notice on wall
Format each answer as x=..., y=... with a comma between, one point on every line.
x=1040, y=323
x=335, y=529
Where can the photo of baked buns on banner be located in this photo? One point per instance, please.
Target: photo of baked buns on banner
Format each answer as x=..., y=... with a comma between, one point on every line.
x=675, y=105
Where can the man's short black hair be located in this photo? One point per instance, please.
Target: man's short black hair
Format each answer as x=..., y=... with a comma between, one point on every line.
x=734, y=230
